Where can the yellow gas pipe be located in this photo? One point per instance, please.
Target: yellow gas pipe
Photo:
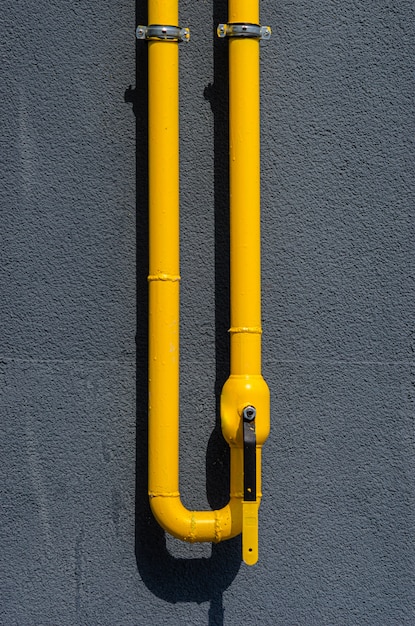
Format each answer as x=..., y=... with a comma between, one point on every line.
x=245, y=395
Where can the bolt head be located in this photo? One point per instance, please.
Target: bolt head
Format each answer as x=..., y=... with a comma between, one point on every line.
x=249, y=413
x=221, y=30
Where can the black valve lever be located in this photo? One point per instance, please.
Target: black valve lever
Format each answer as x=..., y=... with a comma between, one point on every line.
x=249, y=503
x=249, y=414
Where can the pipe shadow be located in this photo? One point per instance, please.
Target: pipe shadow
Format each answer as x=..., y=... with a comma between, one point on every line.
x=172, y=579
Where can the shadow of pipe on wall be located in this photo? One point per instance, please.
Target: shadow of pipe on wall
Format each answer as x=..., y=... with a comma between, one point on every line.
x=175, y=579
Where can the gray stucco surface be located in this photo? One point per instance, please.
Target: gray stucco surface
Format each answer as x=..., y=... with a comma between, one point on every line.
x=78, y=543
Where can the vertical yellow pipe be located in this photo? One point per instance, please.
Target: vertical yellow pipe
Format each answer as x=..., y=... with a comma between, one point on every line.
x=244, y=193
x=163, y=142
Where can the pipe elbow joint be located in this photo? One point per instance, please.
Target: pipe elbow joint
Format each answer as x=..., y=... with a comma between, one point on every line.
x=191, y=526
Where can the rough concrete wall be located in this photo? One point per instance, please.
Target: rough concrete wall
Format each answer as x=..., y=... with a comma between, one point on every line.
x=78, y=544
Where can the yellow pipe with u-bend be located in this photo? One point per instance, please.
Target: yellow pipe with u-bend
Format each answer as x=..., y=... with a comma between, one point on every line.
x=245, y=385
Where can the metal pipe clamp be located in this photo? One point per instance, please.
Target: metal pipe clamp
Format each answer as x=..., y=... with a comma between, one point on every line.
x=240, y=29
x=163, y=33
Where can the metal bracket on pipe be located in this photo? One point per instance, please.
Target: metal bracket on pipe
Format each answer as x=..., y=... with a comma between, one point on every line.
x=163, y=33
x=239, y=29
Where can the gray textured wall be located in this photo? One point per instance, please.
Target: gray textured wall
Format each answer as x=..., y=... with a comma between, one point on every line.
x=78, y=544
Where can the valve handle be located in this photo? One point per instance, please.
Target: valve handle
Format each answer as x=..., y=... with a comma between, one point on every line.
x=249, y=503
